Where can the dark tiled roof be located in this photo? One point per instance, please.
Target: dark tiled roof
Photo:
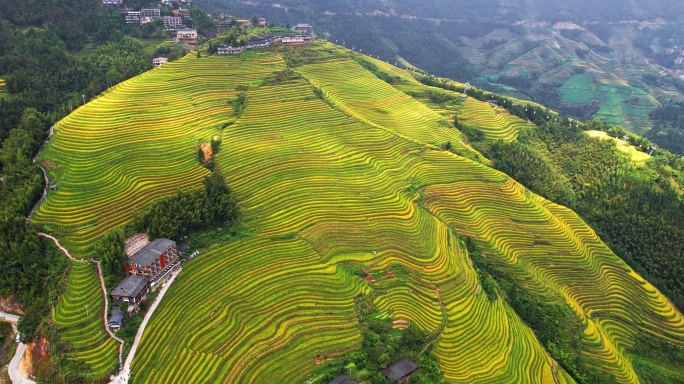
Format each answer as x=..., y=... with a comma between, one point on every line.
x=117, y=318
x=400, y=369
x=131, y=286
x=343, y=379
x=150, y=252
x=182, y=247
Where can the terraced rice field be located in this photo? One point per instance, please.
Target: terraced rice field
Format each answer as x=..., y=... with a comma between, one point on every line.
x=79, y=318
x=494, y=121
x=136, y=144
x=357, y=181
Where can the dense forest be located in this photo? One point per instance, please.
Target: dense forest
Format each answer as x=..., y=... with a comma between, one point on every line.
x=668, y=127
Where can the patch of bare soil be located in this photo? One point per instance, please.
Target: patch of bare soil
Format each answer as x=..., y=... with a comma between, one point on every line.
x=37, y=357
x=208, y=153
x=11, y=305
x=136, y=243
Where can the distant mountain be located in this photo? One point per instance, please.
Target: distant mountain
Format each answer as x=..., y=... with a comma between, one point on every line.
x=614, y=60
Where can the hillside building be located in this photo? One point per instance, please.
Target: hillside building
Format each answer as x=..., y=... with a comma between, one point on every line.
x=293, y=40
x=343, y=379
x=152, y=13
x=159, y=61
x=224, y=49
x=132, y=290
x=132, y=17
x=304, y=29
x=172, y=21
x=262, y=22
x=116, y=321
x=152, y=260
x=186, y=35
x=181, y=12
x=112, y=2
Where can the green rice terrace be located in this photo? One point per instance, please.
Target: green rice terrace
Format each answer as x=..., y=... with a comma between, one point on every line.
x=345, y=191
x=79, y=319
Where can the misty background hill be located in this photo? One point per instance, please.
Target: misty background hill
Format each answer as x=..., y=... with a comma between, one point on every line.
x=621, y=61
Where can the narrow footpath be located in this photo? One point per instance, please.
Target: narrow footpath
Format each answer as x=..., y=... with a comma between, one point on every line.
x=102, y=286
x=124, y=374
x=45, y=177
x=15, y=373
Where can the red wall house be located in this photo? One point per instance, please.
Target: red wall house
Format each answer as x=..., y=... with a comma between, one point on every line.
x=152, y=259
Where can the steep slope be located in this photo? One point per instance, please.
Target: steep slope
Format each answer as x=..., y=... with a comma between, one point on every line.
x=139, y=145
x=352, y=180
x=79, y=318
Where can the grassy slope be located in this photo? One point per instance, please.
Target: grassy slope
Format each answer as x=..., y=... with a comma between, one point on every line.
x=634, y=154
x=360, y=182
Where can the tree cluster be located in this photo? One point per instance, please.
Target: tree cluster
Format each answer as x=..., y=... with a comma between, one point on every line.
x=175, y=216
x=668, y=127
x=111, y=250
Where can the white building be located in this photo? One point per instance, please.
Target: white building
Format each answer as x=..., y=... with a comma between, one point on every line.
x=132, y=17
x=159, y=61
x=112, y=2
x=224, y=49
x=152, y=13
x=293, y=40
x=186, y=35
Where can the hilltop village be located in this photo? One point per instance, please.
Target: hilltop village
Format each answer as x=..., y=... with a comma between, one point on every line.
x=232, y=35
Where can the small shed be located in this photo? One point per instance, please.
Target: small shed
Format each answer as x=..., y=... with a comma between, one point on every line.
x=343, y=379
x=54, y=187
x=183, y=247
x=116, y=321
x=400, y=369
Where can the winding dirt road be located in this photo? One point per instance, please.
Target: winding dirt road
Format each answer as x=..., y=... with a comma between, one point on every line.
x=45, y=177
x=15, y=373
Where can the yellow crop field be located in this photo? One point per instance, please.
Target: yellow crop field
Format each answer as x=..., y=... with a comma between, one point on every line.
x=352, y=179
